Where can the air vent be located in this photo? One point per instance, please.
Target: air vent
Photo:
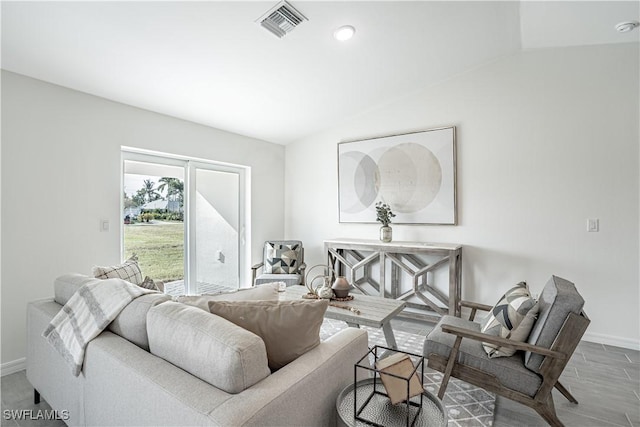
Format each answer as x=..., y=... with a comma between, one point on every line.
x=281, y=19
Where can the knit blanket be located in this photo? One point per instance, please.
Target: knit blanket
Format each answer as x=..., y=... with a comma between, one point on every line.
x=87, y=313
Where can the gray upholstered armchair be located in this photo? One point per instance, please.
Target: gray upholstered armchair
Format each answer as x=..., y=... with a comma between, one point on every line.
x=455, y=347
x=283, y=261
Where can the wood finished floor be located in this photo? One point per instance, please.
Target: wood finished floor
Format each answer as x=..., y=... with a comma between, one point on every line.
x=604, y=379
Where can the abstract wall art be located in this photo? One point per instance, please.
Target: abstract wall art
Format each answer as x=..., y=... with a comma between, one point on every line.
x=415, y=173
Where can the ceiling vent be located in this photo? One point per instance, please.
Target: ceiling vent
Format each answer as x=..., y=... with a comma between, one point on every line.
x=281, y=19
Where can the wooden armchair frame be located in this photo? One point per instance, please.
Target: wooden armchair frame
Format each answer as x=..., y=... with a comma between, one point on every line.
x=556, y=358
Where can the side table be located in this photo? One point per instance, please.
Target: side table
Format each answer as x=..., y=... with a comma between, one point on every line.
x=381, y=411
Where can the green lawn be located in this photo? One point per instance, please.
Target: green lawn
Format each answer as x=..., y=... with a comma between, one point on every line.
x=160, y=248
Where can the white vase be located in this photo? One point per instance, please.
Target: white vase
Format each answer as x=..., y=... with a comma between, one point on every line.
x=385, y=233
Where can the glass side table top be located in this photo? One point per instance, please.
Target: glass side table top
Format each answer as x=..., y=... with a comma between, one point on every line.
x=382, y=412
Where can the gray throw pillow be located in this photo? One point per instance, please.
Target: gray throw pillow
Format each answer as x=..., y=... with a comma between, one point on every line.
x=512, y=317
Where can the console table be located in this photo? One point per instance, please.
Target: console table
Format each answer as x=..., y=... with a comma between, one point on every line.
x=348, y=256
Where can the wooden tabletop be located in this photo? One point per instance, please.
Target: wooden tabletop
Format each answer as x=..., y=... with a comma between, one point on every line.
x=374, y=311
x=398, y=244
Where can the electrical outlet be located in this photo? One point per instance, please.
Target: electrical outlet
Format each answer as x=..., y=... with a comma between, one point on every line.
x=593, y=225
x=104, y=225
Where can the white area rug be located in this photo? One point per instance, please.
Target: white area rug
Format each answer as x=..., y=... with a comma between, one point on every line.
x=466, y=404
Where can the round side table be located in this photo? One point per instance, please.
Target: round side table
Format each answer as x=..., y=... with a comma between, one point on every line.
x=380, y=410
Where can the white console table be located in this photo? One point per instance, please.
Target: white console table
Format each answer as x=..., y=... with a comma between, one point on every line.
x=348, y=256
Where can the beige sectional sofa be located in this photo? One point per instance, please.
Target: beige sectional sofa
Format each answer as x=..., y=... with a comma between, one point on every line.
x=215, y=376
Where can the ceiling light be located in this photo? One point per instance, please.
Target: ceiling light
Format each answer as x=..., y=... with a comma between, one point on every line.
x=344, y=33
x=625, y=27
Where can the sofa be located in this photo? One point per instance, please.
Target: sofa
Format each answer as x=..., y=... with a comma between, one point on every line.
x=216, y=375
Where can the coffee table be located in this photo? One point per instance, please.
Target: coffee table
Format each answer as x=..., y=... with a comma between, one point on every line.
x=375, y=312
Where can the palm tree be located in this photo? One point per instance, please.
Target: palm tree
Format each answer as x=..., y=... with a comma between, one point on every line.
x=174, y=186
x=149, y=192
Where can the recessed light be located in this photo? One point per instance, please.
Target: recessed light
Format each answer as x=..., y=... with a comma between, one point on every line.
x=625, y=27
x=344, y=33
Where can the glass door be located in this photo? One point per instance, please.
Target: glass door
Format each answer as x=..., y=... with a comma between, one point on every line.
x=216, y=229
x=153, y=220
x=186, y=221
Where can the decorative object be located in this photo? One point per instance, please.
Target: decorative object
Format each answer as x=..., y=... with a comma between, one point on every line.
x=324, y=289
x=413, y=172
x=346, y=307
x=401, y=385
x=395, y=371
x=341, y=287
x=386, y=234
x=384, y=215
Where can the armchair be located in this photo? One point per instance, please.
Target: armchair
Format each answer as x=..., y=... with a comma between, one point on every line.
x=454, y=347
x=283, y=261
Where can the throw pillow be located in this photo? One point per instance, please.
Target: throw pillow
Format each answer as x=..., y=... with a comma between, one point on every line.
x=288, y=328
x=512, y=317
x=148, y=283
x=268, y=291
x=281, y=259
x=128, y=270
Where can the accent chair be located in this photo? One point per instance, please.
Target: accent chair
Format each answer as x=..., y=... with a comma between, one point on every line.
x=455, y=348
x=283, y=261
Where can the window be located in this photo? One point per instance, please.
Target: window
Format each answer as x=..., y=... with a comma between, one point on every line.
x=186, y=220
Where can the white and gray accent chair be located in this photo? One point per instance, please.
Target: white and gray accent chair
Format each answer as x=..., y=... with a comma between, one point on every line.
x=283, y=261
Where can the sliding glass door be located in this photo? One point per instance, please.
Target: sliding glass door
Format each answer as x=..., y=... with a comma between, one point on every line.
x=185, y=220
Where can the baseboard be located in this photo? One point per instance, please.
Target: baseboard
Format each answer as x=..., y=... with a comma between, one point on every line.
x=13, y=366
x=611, y=340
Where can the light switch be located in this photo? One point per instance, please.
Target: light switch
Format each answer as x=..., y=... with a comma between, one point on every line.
x=104, y=225
x=593, y=225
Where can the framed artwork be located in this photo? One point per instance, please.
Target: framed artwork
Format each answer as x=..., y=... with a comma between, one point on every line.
x=414, y=173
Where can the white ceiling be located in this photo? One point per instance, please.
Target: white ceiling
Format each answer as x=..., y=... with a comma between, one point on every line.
x=210, y=63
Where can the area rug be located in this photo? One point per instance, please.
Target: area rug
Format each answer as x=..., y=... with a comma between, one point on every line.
x=466, y=404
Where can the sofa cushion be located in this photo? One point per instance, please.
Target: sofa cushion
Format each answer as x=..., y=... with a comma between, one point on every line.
x=207, y=346
x=66, y=285
x=510, y=371
x=131, y=323
x=128, y=270
x=558, y=298
x=512, y=317
x=289, y=328
x=268, y=291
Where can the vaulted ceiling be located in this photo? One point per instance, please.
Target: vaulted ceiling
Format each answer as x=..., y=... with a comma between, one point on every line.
x=210, y=62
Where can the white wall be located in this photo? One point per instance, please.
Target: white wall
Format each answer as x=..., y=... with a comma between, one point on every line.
x=61, y=175
x=546, y=140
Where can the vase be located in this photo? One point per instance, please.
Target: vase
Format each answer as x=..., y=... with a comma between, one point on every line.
x=385, y=233
x=341, y=287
